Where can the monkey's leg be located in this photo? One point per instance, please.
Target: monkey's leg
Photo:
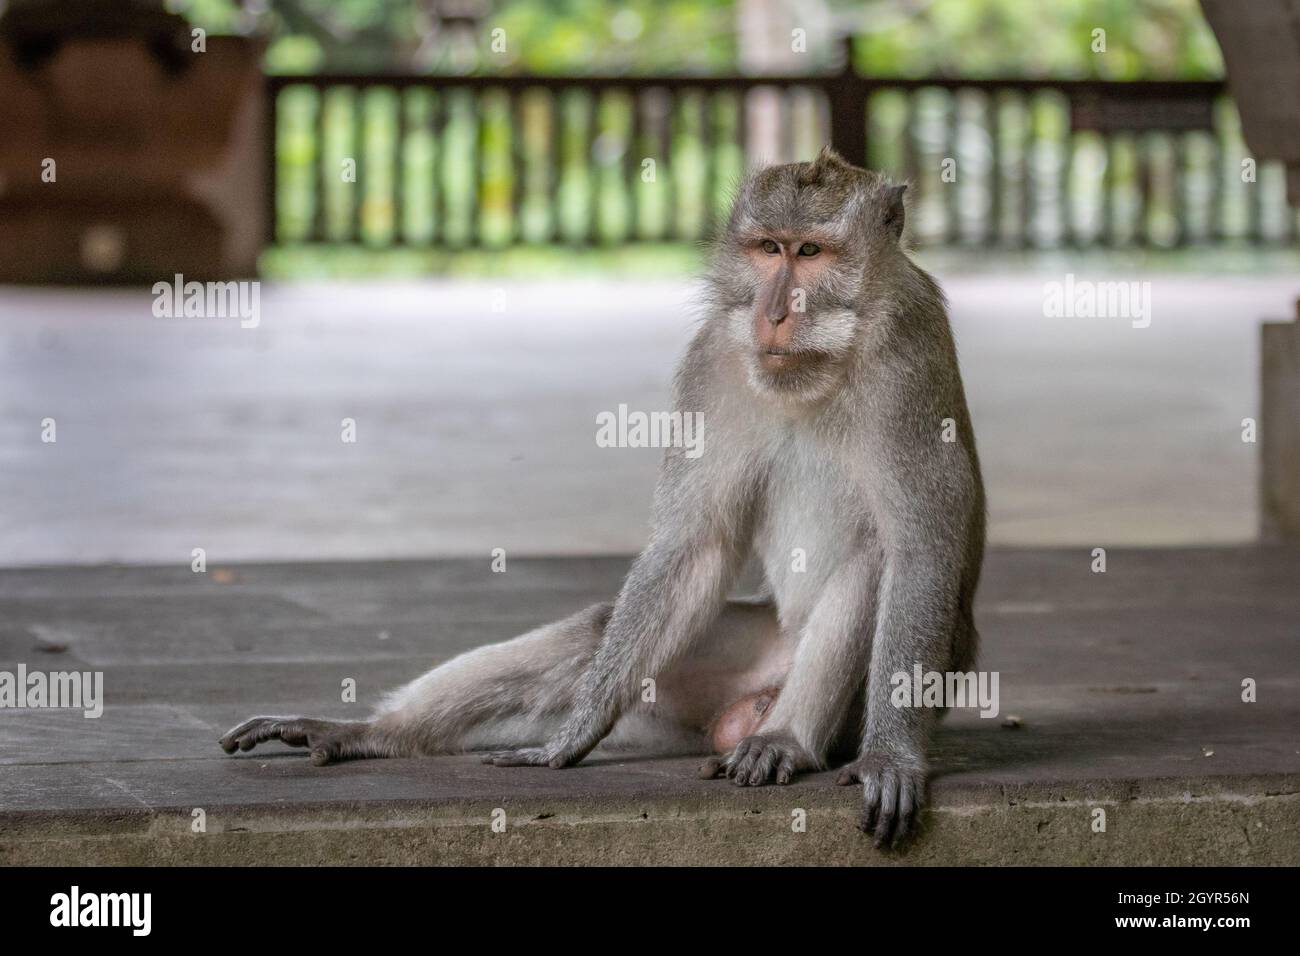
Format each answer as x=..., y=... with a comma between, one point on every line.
x=503, y=694
x=672, y=598
x=741, y=658
x=518, y=693
x=514, y=693
x=829, y=667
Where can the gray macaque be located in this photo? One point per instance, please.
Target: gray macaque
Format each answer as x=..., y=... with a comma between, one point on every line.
x=838, y=452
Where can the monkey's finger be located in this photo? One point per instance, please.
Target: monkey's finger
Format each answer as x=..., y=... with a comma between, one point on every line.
x=785, y=772
x=519, y=758
x=871, y=795
x=294, y=733
x=764, y=766
x=742, y=769
x=888, y=809
x=738, y=754
x=847, y=776
x=906, y=812
x=510, y=760
x=731, y=761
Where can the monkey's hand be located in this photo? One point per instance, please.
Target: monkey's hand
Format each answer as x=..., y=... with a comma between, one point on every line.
x=533, y=757
x=759, y=760
x=894, y=787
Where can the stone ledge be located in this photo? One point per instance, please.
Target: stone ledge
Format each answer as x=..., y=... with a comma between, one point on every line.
x=1128, y=686
x=1232, y=821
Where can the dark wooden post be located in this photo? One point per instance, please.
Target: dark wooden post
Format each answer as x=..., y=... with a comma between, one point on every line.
x=1279, y=429
x=271, y=130
x=847, y=96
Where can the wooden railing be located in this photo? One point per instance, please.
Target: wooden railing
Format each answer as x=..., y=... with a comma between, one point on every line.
x=497, y=160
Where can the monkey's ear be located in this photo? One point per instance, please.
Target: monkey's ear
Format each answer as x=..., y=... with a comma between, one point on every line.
x=895, y=213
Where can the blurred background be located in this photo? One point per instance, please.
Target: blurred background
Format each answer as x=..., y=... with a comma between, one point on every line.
x=476, y=224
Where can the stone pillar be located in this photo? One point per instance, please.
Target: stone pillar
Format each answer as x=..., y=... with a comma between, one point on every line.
x=1260, y=40
x=132, y=150
x=1279, y=430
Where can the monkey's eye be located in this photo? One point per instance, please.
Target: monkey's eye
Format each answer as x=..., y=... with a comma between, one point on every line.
x=770, y=247
x=809, y=249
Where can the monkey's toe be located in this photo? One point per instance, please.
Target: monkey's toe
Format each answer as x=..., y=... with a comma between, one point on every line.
x=713, y=767
x=524, y=757
x=757, y=761
x=254, y=731
x=328, y=740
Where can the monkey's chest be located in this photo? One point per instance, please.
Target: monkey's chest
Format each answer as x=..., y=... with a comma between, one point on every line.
x=808, y=528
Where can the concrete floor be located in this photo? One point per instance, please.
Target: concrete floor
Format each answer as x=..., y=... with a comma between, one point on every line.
x=1127, y=684
x=476, y=427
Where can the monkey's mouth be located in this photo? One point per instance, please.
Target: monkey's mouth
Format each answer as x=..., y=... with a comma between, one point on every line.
x=785, y=360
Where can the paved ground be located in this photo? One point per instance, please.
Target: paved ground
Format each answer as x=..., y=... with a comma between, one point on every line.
x=475, y=427
x=1128, y=686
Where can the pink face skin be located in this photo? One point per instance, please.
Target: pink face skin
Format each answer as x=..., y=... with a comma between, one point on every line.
x=742, y=719
x=785, y=263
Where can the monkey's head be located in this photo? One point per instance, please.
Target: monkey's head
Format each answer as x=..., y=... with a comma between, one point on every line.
x=793, y=272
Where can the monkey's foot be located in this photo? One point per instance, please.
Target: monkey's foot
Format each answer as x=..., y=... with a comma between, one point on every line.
x=529, y=757
x=760, y=760
x=894, y=788
x=330, y=740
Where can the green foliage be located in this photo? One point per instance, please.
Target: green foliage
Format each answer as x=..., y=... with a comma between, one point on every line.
x=1145, y=39
x=1149, y=39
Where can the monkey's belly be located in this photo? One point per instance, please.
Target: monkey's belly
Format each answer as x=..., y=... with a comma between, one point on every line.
x=741, y=720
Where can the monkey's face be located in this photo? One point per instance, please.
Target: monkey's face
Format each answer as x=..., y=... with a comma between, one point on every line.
x=792, y=266
x=788, y=267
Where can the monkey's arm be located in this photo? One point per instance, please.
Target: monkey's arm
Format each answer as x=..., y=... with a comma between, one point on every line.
x=931, y=531
x=675, y=589
x=917, y=614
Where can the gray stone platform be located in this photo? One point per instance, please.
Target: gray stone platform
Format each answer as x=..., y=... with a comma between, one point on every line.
x=1127, y=684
